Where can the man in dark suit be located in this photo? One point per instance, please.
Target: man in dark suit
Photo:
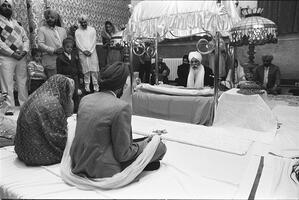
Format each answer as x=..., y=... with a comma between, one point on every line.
x=103, y=144
x=268, y=75
x=183, y=71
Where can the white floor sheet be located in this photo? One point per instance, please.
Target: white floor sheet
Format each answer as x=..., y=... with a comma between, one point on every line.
x=187, y=171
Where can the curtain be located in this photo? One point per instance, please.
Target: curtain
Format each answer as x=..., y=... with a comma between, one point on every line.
x=284, y=13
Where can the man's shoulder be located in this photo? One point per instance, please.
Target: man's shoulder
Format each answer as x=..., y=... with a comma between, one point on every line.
x=275, y=66
x=207, y=68
x=60, y=29
x=91, y=27
x=105, y=98
x=43, y=27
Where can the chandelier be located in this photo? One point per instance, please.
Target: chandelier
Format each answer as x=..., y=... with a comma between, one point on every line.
x=253, y=29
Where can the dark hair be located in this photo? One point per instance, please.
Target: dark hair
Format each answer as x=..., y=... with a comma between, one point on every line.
x=267, y=57
x=35, y=51
x=185, y=57
x=68, y=40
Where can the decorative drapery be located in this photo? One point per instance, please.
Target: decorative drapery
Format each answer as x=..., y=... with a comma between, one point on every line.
x=30, y=13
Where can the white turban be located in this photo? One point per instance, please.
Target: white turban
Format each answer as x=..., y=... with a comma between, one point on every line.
x=8, y=1
x=82, y=18
x=195, y=54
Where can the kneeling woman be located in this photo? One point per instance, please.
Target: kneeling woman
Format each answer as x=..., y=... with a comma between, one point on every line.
x=42, y=123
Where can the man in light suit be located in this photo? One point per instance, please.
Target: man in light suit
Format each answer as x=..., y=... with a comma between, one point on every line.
x=49, y=40
x=103, y=144
x=14, y=45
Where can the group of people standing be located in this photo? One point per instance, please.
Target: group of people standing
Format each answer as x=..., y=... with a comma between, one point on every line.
x=57, y=52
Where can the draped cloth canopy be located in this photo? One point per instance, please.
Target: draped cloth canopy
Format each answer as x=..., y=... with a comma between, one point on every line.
x=181, y=18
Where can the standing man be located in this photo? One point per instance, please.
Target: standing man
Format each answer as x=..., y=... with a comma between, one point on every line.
x=14, y=45
x=86, y=38
x=49, y=40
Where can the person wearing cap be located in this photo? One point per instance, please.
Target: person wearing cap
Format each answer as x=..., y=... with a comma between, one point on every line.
x=49, y=40
x=86, y=39
x=103, y=144
x=199, y=75
x=268, y=75
x=14, y=45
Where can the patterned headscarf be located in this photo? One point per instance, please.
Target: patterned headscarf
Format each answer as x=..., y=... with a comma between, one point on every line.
x=59, y=86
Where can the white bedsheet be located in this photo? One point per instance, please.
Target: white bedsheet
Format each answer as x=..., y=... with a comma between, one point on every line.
x=275, y=180
x=175, y=90
x=186, y=172
x=286, y=142
x=218, y=138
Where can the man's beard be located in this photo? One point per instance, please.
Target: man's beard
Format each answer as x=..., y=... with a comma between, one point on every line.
x=6, y=13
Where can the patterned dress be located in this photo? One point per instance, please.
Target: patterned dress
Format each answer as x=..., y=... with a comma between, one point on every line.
x=42, y=123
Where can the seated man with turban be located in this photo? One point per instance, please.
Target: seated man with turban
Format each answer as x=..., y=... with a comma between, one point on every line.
x=268, y=75
x=199, y=75
x=103, y=144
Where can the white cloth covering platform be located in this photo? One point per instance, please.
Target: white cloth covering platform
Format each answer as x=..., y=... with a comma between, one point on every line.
x=248, y=112
x=187, y=171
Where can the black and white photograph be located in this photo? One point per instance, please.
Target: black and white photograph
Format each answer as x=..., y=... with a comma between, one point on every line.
x=149, y=99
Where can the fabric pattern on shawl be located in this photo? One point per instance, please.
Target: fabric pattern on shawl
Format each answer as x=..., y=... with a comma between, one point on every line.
x=42, y=123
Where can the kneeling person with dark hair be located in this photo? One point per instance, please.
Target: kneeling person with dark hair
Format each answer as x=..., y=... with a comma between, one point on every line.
x=103, y=144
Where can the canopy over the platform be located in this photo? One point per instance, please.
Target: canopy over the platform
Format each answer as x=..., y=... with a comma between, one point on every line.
x=173, y=19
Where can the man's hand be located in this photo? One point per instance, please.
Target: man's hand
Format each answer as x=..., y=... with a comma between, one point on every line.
x=58, y=51
x=87, y=53
x=149, y=138
x=23, y=53
x=17, y=56
x=164, y=73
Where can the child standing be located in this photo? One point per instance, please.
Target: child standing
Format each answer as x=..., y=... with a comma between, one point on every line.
x=68, y=64
x=36, y=72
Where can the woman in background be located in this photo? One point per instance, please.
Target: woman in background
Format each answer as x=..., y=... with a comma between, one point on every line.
x=109, y=35
x=234, y=76
x=42, y=124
